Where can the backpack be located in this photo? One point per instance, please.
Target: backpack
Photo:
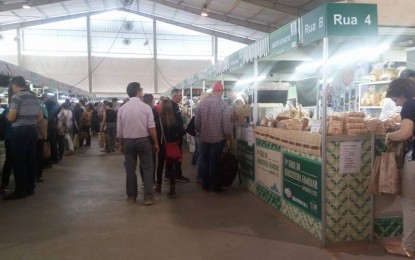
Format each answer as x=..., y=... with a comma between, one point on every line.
x=191, y=128
x=228, y=168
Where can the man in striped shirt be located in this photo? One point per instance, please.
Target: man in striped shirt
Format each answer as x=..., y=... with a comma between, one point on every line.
x=213, y=122
x=25, y=113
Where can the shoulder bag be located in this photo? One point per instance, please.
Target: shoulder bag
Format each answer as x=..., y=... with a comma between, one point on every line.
x=171, y=150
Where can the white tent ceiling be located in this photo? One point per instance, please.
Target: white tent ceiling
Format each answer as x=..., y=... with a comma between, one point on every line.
x=239, y=20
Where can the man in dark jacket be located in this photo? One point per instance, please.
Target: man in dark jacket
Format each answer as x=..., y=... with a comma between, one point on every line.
x=53, y=111
x=176, y=98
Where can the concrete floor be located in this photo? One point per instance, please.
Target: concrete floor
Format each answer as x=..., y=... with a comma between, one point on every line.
x=80, y=212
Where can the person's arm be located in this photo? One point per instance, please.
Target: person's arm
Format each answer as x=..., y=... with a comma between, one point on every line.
x=404, y=133
x=198, y=120
x=12, y=115
x=104, y=119
x=153, y=134
x=120, y=132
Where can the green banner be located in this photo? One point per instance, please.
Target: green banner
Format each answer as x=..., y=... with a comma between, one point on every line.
x=302, y=183
x=352, y=20
x=313, y=25
x=235, y=61
x=245, y=155
x=284, y=39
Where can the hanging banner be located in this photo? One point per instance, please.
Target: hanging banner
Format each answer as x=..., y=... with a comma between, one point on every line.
x=268, y=166
x=302, y=183
x=284, y=39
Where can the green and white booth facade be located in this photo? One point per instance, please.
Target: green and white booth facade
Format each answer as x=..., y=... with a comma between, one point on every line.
x=327, y=55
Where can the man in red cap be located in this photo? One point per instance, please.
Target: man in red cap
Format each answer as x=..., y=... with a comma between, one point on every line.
x=213, y=122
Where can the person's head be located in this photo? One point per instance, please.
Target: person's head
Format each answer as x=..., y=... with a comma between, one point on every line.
x=134, y=90
x=148, y=99
x=18, y=84
x=114, y=100
x=166, y=113
x=204, y=96
x=176, y=95
x=407, y=74
x=90, y=107
x=108, y=105
x=401, y=90
x=217, y=89
x=65, y=105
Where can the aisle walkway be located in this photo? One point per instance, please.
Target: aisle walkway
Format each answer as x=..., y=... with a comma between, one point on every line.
x=80, y=212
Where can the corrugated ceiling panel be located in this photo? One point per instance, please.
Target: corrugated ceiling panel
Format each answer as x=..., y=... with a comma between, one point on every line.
x=76, y=6
x=164, y=11
x=8, y=17
x=29, y=14
x=53, y=10
x=245, y=11
x=222, y=6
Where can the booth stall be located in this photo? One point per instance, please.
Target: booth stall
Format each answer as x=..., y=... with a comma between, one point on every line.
x=310, y=129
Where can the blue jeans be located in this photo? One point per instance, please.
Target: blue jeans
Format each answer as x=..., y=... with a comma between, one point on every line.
x=23, y=143
x=142, y=148
x=208, y=164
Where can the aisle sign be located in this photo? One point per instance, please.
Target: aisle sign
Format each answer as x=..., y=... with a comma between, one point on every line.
x=313, y=25
x=352, y=20
x=268, y=167
x=284, y=39
x=302, y=183
x=331, y=19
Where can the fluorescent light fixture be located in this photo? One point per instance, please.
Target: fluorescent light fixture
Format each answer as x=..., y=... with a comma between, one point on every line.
x=26, y=6
x=250, y=80
x=204, y=12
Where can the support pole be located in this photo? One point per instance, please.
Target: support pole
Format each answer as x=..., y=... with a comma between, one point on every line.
x=89, y=47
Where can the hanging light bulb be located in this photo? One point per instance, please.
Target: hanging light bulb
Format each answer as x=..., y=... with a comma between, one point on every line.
x=26, y=5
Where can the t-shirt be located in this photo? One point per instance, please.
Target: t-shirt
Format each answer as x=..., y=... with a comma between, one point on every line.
x=27, y=106
x=408, y=112
x=110, y=116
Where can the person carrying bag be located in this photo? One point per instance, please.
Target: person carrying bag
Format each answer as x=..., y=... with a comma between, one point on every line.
x=171, y=133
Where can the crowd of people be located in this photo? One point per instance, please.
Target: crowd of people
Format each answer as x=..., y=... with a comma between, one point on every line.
x=39, y=132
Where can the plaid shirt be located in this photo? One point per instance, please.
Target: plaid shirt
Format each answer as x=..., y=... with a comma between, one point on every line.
x=213, y=120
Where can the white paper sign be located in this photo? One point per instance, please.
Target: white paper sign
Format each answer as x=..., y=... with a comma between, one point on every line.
x=315, y=127
x=350, y=157
x=251, y=137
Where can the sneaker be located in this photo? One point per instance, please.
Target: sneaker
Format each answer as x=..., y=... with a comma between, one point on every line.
x=149, y=201
x=131, y=199
x=182, y=179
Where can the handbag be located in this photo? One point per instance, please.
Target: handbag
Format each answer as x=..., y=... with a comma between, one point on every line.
x=171, y=150
x=101, y=140
x=70, y=143
x=389, y=176
x=76, y=141
x=46, y=150
x=374, y=181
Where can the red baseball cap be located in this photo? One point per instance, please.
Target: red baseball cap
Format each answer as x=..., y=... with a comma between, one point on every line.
x=217, y=87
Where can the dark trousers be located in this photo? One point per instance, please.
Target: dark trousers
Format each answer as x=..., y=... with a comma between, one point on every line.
x=111, y=136
x=53, y=141
x=209, y=158
x=160, y=164
x=87, y=130
x=24, y=158
x=39, y=158
x=61, y=146
x=8, y=164
x=179, y=172
x=172, y=168
x=142, y=148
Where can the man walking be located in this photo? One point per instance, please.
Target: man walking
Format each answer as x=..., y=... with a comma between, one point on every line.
x=213, y=122
x=25, y=113
x=135, y=130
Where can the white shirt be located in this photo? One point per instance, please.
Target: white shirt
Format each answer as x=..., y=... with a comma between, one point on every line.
x=389, y=109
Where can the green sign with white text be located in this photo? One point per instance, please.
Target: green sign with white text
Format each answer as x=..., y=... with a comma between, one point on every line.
x=352, y=20
x=331, y=19
x=302, y=183
x=284, y=39
x=235, y=61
